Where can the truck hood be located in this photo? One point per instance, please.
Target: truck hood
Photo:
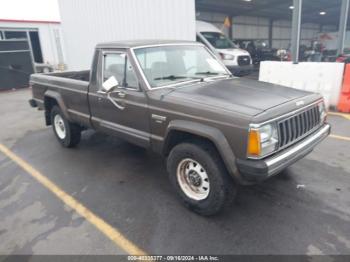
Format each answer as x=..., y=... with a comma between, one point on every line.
x=241, y=95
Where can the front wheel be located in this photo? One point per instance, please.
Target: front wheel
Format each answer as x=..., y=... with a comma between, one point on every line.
x=200, y=178
x=68, y=134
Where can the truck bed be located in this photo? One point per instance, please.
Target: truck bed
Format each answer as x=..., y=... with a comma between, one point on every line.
x=77, y=75
x=72, y=89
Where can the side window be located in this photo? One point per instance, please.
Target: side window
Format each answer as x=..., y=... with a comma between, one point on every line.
x=118, y=65
x=114, y=64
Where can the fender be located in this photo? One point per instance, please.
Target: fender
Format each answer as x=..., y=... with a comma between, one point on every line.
x=57, y=96
x=212, y=134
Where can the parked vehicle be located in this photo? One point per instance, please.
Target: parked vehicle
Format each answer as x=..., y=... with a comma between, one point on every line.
x=312, y=53
x=237, y=60
x=344, y=57
x=258, y=50
x=176, y=98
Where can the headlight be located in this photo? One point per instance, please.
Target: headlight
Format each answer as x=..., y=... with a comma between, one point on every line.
x=323, y=112
x=226, y=56
x=262, y=140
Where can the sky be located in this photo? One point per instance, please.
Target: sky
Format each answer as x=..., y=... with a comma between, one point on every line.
x=42, y=10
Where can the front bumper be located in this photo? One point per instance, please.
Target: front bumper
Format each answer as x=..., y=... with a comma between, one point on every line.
x=240, y=70
x=258, y=170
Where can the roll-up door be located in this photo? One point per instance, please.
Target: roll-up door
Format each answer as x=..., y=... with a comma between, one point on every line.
x=16, y=64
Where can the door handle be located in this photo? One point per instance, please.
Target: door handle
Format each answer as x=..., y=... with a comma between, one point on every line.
x=121, y=94
x=120, y=107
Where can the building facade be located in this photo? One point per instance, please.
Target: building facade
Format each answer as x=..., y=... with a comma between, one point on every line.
x=86, y=23
x=27, y=47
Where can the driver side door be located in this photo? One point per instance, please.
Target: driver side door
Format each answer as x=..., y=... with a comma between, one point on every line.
x=124, y=111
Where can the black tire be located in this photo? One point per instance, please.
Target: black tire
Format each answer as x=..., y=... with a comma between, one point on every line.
x=222, y=187
x=72, y=131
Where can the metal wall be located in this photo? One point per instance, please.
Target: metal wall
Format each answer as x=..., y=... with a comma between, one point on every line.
x=50, y=38
x=86, y=23
x=248, y=27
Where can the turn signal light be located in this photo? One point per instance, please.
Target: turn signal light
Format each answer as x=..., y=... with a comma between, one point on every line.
x=254, y=145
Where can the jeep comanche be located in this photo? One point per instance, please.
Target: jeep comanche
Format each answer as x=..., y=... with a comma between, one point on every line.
x=215, y=130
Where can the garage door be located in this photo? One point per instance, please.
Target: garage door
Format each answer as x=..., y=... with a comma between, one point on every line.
x=15, y=64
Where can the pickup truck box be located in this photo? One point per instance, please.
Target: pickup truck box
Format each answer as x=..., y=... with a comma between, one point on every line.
x=178, y=99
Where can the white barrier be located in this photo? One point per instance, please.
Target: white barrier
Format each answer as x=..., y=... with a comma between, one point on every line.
x=320, y=77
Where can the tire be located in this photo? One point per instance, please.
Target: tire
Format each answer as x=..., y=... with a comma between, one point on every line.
x=67, y=133
x=221, y=189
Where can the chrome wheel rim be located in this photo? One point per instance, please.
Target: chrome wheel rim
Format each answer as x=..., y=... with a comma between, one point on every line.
x=193, y=179
x=59, y=127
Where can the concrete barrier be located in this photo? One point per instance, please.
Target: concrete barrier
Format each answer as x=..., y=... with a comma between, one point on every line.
x=324, y=78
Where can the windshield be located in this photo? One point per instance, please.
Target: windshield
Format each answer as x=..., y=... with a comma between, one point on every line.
x=218, y=40
x=164, y=65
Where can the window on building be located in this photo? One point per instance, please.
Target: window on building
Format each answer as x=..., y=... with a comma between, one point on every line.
x=22, y=35
x=35, y=42
x=15, y=35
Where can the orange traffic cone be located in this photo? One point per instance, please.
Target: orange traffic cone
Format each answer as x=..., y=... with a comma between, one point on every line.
x=344, y=100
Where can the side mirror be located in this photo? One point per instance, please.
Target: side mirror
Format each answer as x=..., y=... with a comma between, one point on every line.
x=110, y=84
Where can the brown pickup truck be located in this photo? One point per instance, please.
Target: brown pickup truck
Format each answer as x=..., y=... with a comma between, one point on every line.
x=215, y=130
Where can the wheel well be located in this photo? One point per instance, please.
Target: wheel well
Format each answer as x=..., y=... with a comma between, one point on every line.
x=49, y=103
x=176, y=137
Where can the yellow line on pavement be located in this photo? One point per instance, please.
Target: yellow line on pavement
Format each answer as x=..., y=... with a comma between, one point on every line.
x=346, y=116
x=109, y=231
x=340, y=137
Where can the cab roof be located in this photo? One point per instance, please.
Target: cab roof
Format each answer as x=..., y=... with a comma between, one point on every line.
x=141, y=43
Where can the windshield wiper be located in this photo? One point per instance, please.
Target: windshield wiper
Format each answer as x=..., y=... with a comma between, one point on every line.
x=213, y=74
x=207, y=73
x=170, y=77
x=174, y=77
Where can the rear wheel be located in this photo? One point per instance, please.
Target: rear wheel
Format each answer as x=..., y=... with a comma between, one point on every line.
x=200, y=178
x=67, y=133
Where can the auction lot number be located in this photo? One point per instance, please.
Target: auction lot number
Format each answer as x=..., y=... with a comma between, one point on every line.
x=173, y=258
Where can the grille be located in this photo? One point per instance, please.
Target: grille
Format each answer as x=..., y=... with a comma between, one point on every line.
x=243, y=60
x=296, y=127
